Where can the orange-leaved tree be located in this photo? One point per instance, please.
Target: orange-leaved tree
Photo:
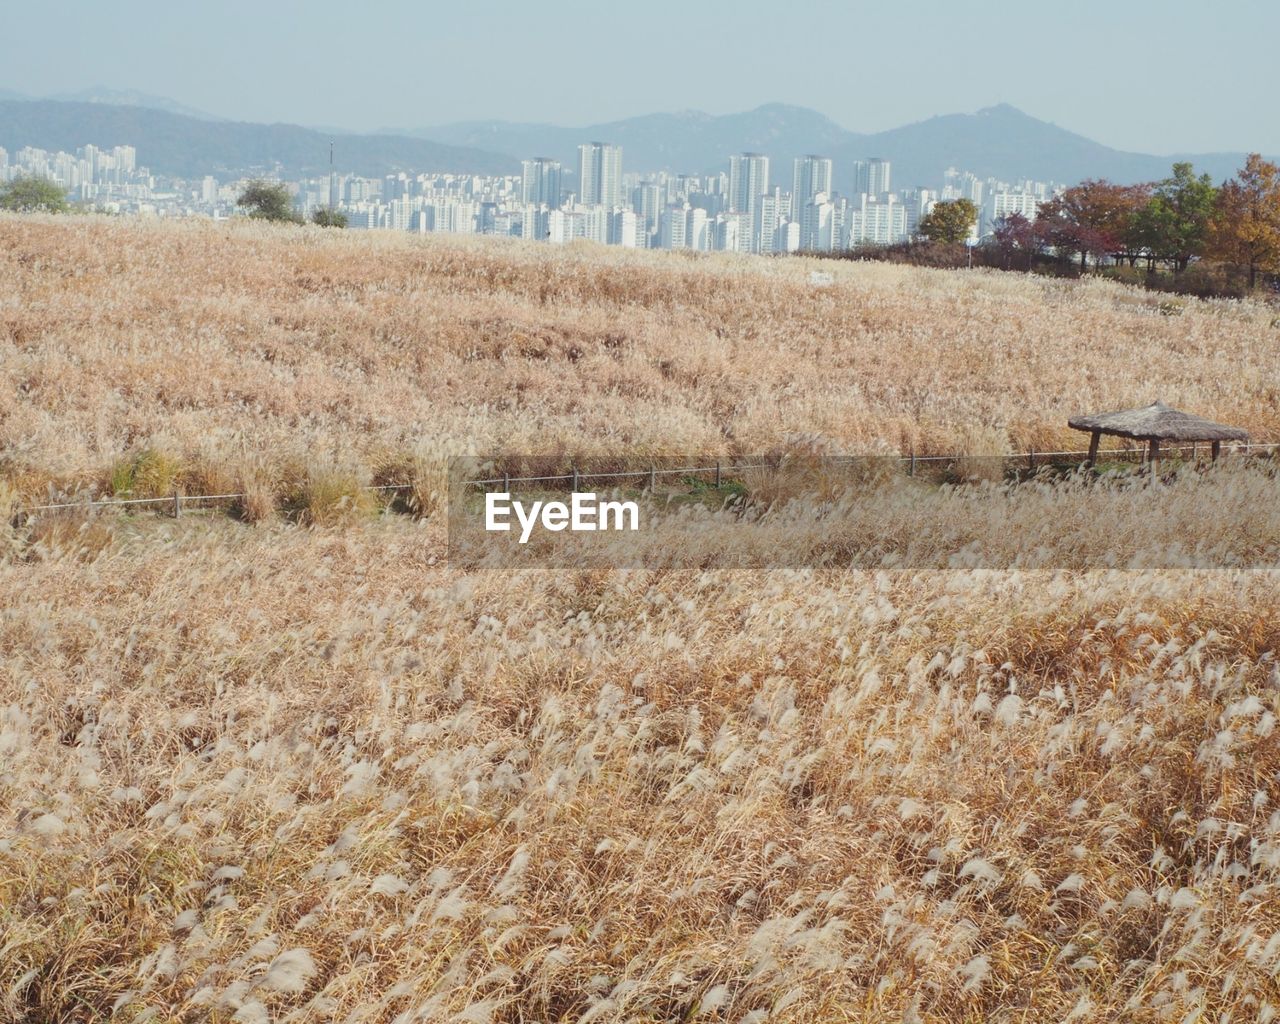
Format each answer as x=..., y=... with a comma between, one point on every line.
x=1245, y=228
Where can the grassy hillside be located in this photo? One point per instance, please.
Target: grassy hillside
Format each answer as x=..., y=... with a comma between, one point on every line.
x=229, y=345
x=278, y=774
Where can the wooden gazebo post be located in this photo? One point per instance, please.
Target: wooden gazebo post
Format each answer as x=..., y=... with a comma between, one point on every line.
x=1216, y=449
x=1153, y=452
x=1093, y=448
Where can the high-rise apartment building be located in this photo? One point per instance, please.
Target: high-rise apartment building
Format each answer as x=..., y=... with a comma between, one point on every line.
x=540, y=181
x=873, y=221
x=600, y=175
x=1003, y=204
x=772, y=210
x=673, y=227
x=812, y=175
x=648, y=204
x=918, y=203
x=748, y=181
x=819, y=231
x=871, y=177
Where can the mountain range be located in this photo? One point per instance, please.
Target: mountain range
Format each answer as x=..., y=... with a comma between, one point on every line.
x=177, y=144
x=119, y=98
x=999, y=141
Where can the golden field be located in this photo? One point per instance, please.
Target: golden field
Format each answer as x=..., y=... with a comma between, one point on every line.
x=312, y=773
x=227, y=346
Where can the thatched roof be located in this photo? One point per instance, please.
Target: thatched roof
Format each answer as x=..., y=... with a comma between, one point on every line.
x=1157, y=421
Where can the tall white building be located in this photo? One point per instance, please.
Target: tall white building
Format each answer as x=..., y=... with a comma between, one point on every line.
x=733, y=232
x=624, y=228
x=748, y=181
x=1002, y=204
x=771, y=212
x=647, y=202
x=819, y=231
x=600, y=175
x=918, y=203
x=871, y=177
x=876, y=221
x=540, y=181
x=672, y=227
x=697, y=232
x=812, y=176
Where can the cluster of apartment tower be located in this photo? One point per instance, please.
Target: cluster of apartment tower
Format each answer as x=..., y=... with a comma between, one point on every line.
x=741, y=209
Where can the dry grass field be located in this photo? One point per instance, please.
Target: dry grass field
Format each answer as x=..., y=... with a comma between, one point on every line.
x=289, y=772
x=237, y=350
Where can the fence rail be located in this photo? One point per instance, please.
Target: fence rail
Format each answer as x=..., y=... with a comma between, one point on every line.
x=178, y=501
x=575, y=476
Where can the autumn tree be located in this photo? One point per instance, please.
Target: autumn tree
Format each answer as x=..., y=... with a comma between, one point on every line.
x=949, y=221
x=1173, y=224
x=1245, y=227
x=1094, y=218
x=1016, y=236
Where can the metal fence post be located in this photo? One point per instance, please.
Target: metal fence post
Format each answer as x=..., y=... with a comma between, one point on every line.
x=717, y=474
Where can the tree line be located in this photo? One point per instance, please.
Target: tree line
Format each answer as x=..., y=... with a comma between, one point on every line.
x=1168, y=224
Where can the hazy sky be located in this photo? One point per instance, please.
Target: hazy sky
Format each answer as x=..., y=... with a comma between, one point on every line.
x=1155, y=77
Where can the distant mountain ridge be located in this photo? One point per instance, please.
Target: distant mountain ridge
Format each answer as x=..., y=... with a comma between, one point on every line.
x=184, y=146
x=119, y=98
x=1000, y=141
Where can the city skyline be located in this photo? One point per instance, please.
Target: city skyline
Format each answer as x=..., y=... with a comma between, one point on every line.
x=865, y=68
x=741, y=209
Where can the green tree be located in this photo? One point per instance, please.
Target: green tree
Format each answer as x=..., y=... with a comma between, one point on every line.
x=329, y=218
x=268, y=201
x=32, y=195
x=949, y=221
x=1174, y=223
x=1245, y=228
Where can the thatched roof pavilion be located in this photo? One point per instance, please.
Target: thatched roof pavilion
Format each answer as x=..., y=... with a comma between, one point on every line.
x=1155, y=423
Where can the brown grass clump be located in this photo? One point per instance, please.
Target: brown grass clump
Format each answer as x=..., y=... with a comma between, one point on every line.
x=66, y=534
x=149, y=473
x=416, y=482
x=328, y=494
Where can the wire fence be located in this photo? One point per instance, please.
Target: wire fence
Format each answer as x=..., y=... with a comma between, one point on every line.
x=719, y=470
x=1031, y=458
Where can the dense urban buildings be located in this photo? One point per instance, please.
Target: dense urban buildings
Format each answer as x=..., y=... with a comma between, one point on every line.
x=738, y=209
